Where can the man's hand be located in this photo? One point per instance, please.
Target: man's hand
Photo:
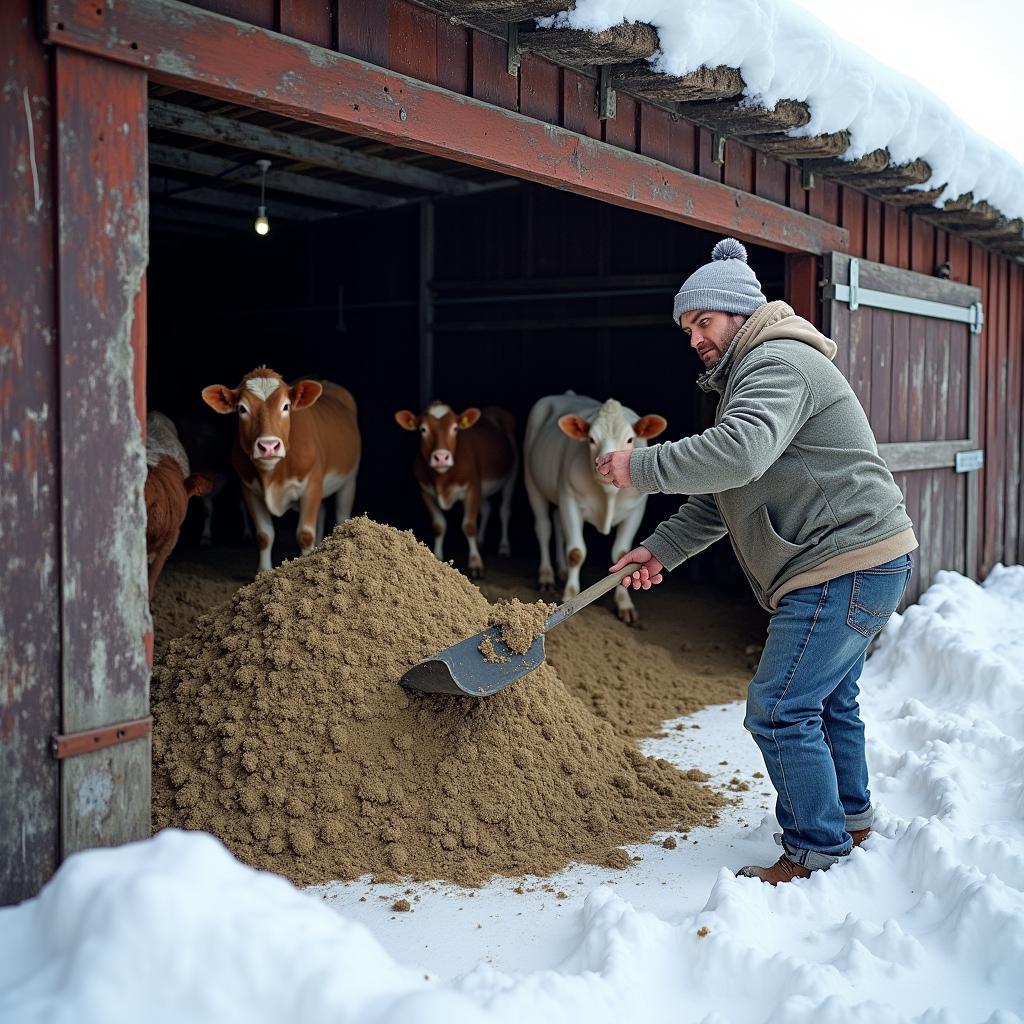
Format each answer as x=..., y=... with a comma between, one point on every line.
x=614, y=467
x=649, y=572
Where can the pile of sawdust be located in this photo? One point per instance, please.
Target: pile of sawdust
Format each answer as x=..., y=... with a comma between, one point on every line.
x=183, y=593
x=280, y=727
x=630, y=683
x=520, y=623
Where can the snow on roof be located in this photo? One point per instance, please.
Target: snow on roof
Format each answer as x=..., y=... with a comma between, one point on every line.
x=784, y=53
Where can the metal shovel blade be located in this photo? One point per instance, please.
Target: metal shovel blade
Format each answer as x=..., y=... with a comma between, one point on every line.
x=462, y=670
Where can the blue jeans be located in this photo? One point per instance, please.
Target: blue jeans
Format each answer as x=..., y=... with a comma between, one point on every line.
x=802, y=707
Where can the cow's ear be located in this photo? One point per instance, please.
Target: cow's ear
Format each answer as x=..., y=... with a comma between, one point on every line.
x=220, y=398
x=305, y=393
x=406, y=420
x=198, y=484
x=650, y=426
x=575, y=426
x=468, y=418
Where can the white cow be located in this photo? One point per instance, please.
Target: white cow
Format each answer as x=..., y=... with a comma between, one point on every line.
x=564, y=436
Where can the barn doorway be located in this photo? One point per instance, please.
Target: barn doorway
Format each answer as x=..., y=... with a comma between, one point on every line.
x=404, y=277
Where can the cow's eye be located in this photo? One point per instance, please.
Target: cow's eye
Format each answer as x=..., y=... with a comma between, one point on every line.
x=629, y=440
x=285, y=407
x=242, y=411
x=423, y=429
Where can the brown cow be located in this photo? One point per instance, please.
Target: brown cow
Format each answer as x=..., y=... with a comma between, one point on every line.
x=296, y=445
x=168, y=488
x=465, y=457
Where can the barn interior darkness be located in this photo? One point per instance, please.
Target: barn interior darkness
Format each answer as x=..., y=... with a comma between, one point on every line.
x=534, y=291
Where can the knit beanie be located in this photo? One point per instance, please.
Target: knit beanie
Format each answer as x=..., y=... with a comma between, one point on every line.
x=725, y=285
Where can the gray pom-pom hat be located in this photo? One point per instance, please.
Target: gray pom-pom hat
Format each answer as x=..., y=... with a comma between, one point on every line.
x=725, y=285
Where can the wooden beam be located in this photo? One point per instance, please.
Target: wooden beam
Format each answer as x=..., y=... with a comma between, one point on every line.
x=894, y=176
x=871, y=163
x=735, y=119
x=183, y=46
x=802, y=147
x=703, y=84
x=214, y=128
x=618, y=45
x=963, y=213
x=224, y=200
x=1002, y=231
x=228, y=172
x=914, y=198
x=500, y=10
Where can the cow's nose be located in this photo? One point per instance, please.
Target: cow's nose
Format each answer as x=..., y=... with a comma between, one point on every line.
x=441, y=457
x=268, y=447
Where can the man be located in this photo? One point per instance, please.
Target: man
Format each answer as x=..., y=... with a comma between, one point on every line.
x=791, y=472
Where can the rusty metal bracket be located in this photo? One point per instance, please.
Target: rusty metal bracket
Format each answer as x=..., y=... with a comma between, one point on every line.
x=74, y=743
x=513, y=56
x=605, y=94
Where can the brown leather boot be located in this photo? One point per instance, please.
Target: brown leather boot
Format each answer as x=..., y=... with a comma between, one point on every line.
x=859, y=835
x=783, y=870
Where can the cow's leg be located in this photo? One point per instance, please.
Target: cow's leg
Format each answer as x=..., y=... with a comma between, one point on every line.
x=560, y=548
x=309, y=509
x=470, y=515
x=246, y=520
x=542, y=527
x=505, y=512
x=437, y=521
x=345, y=498
x=321, y=515
x=264, y=523
x=624, y=542
x=206, y=537
x=575, y=548
x=156, y=566
x=485, y=517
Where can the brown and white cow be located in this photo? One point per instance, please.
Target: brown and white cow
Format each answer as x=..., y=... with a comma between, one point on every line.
x=296, y=445
x=168, y=487
x=465, y=457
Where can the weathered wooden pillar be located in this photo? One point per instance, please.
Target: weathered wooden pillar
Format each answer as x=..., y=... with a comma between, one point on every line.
x=29, y=484
x=102, y=249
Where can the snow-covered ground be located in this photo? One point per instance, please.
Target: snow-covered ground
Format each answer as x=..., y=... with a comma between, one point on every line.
x=925, y=923
x=783, y=52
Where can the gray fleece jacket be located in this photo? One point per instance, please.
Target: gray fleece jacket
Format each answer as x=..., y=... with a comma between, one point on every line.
x=790, y=470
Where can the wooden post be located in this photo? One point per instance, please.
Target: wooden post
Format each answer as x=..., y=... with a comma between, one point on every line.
x=29, y=485
x=802, y=285
x=102, y=253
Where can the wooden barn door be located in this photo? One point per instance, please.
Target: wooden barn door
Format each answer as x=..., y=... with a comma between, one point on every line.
x=909, y=345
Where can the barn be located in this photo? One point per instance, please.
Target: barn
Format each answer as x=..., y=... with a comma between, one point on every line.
x=461, y=206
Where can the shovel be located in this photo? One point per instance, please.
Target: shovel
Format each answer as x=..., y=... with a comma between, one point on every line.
x=463, y=671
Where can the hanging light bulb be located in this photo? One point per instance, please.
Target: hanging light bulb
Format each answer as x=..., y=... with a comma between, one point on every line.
x=262, y=223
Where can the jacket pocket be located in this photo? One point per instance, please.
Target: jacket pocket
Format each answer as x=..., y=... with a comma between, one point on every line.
x=877, y=594
x=775, y=553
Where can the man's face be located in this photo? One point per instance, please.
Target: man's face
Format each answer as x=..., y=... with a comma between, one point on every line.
x=710, y=333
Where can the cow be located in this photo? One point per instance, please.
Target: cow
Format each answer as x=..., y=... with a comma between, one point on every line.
x=465, y=457
x=564, y=435
x=296, y=445
x=168, y=487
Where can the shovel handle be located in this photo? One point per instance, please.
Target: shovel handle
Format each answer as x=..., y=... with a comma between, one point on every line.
x=581, y=600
